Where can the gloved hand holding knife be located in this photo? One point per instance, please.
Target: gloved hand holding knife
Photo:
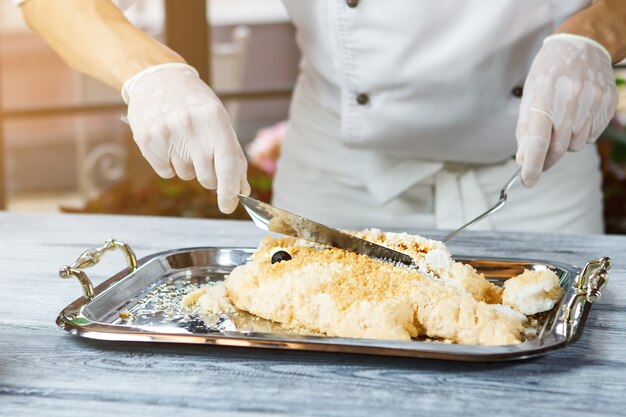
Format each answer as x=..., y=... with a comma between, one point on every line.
x=179, y=124
x=182, y=129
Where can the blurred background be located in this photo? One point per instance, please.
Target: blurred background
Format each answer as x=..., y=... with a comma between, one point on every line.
x=64, y=148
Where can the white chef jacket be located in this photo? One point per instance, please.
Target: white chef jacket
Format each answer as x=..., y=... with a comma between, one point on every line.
x=433, y=71
x=405, y=111
x=404, y=115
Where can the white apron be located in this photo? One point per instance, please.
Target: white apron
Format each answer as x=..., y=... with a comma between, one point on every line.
x=404, y=116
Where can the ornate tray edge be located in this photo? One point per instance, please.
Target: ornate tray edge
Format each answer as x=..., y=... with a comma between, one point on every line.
x=571, y=317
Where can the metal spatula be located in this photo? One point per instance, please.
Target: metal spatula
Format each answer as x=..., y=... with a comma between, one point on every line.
x=273, y=219
x=504, y=193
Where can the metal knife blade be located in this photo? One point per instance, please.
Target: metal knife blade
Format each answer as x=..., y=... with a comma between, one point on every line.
x=268, y=217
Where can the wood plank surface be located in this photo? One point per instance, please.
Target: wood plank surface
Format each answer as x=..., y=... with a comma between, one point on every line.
x=47, y=372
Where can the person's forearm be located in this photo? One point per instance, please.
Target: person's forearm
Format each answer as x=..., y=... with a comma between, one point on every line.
x=95, y=38
x=605, y=22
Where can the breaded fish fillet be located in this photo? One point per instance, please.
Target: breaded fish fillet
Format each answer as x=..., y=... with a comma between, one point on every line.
x=433, y=257
x=343, y=294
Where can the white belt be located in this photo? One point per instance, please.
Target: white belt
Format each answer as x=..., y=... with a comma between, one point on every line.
x=458, y=194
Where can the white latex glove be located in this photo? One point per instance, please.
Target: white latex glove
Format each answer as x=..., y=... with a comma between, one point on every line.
x=569, y=99
x=182, y=128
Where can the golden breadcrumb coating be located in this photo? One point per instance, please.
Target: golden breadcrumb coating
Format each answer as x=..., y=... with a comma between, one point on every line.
x=324, y=290
x=433, y=256
x=340, y=293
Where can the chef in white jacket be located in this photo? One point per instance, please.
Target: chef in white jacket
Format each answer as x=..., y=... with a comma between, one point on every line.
x=406, y=113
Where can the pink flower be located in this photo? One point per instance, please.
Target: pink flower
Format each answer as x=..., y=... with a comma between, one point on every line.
x=264, y=149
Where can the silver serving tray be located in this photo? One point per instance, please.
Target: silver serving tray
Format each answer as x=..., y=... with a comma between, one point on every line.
x=141, y=304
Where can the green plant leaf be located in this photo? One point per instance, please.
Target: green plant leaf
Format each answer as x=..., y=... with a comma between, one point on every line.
x=615, y=134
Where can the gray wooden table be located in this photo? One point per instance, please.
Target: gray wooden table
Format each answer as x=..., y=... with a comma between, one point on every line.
x=47, y=372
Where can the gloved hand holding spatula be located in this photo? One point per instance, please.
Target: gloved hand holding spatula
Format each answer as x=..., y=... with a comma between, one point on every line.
x=569, y=98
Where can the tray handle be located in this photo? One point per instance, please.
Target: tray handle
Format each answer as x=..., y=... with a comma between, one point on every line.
x=588, y=289
x=91, y=257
